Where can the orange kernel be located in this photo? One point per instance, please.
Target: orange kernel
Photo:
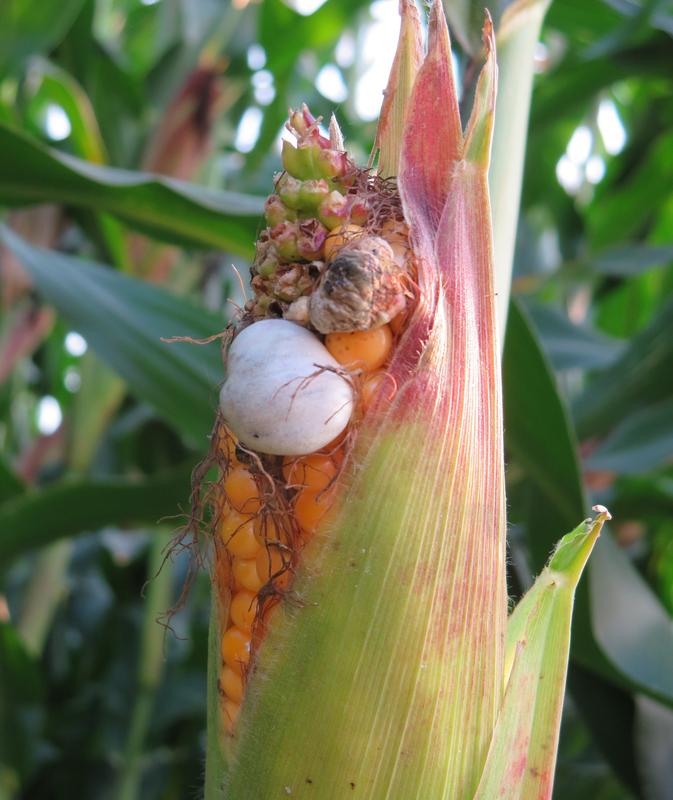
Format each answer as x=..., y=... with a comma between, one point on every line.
x=242, y=491
x=236, y=648
x=314, y=472
x=238, y=534
x=338, y=238
x=371, y=387
x=274, y=562
x=243, y=610
x=366, y=350
x=232, y=684
x=245, y=574
x=310, y=508
x=266, y=530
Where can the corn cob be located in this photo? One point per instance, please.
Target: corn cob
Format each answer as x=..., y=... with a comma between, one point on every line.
x=333, y=284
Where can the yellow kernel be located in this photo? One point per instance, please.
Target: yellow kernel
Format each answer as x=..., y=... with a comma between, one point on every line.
x=236, y=648
x=232, y=684
x=366, y=350
x=238, y=534
x=242, y=491
x=311, y=507
x=314, y=472
x=338, y=238
x=274, y=562
x=245, y=575
x=243, y=610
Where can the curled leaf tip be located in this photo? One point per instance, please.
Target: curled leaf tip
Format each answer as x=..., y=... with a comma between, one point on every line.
x=408, y=58
x=487, y=32
x=438, y=29
x=480, y=126
x=602, y=512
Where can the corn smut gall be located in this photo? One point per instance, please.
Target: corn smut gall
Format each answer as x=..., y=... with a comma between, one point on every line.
x=238, y=534
x=242, y=491
x=243, y=610
x=245, y=574
x=236, y=648
x=310, y=508
x=232, y=684
x=366, y=350
x=314, y=472
x=338, y=238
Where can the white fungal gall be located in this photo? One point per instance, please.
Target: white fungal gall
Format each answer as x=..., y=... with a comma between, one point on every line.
x=281, y=395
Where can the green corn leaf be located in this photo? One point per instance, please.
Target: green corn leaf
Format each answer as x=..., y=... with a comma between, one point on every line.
x=522, y=756
x=32, y=26
x=168, y=209
x=643, y=375
x=124, y=321
x=537, y=421
x=73, y=507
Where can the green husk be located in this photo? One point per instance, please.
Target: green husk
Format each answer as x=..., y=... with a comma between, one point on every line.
x=522, y=755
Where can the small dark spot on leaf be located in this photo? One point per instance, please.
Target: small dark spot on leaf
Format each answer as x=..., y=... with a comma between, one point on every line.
x=308, y=780
x=352, y=785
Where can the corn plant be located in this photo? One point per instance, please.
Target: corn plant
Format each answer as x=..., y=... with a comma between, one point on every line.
x=370, y=652
x=348, y=513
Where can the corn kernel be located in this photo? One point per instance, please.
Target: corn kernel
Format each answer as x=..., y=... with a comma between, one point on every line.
x=232, y=684
x=238, y=534
x=236, y=648
x=275, y=561
x=314, y=472
x=242, y=491
x=243, y=609
x=310, y=508
x=366, y=350
x=371, y=388
x=338, y=238
x=245, y=575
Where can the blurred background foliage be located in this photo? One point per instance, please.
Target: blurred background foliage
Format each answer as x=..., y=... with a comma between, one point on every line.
x=107, y=109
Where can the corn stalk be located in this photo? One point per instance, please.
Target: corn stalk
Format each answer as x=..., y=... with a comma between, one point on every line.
x=391, y=670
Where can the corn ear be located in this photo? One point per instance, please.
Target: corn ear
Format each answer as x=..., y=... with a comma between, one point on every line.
x=386, y=676
x=522, y=756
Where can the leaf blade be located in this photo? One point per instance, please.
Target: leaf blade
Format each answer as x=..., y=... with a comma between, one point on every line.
x=124, y=320
x=173, y=210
